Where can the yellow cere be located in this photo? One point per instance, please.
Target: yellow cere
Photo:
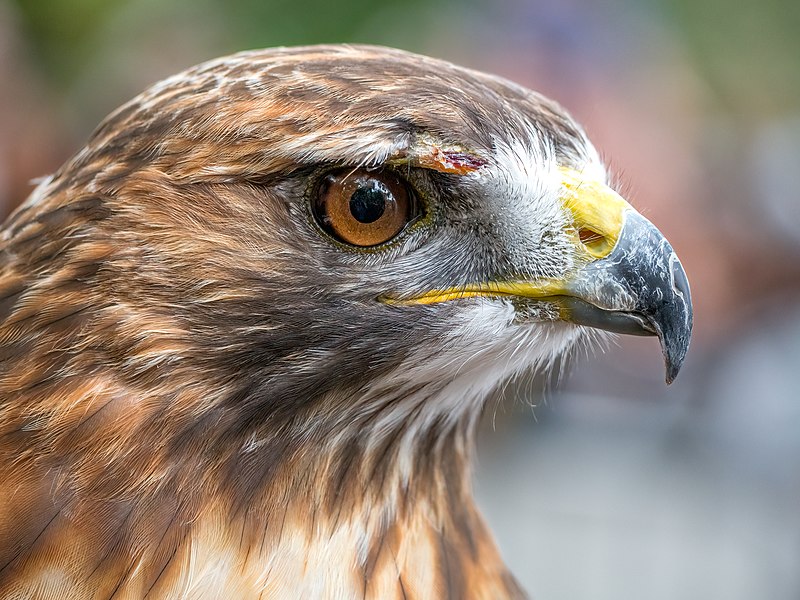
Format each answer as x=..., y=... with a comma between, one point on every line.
x=597, y=210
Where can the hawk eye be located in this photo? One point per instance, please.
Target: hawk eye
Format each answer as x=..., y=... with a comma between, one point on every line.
x=363, y=208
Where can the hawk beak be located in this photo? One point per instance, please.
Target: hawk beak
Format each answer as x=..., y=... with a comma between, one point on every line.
x=633, y=282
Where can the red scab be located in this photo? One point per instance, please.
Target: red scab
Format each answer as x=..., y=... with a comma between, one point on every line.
x=464, y=163
x=451, y=161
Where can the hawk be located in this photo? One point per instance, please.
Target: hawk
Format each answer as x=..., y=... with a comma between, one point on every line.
x=248, y=330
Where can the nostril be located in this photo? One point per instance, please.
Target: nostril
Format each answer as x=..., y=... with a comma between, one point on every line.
x=589, y=236
x=594, y=242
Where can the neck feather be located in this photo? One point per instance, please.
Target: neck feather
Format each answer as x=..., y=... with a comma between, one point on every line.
x=384, y=507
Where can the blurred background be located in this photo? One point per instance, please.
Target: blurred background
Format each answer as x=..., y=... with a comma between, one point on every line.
x=606, y=484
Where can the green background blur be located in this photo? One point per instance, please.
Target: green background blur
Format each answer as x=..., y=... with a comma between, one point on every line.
x=616, y=487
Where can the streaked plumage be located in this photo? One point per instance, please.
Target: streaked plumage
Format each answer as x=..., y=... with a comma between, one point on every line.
x=205, y=395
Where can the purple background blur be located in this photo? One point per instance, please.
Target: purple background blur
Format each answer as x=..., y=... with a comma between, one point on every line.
x=613, y=486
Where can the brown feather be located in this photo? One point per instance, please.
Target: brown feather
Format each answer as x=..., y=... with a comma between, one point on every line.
x=136, y=457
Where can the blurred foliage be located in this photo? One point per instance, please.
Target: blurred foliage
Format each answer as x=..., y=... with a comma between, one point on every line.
x=59, y=30
x=292, y=22
x=749, y=52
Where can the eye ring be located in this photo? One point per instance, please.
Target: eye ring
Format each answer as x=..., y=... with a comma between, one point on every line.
x=363, y=207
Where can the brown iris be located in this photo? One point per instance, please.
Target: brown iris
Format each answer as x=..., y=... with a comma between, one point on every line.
x=363, y=208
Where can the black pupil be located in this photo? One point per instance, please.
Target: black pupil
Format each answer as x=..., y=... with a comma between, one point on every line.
x=368, y=202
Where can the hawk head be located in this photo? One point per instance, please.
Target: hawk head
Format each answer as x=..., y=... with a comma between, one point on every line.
x=297, y=273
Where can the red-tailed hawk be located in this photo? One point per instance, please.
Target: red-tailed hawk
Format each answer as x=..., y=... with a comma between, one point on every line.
x=248, y=330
